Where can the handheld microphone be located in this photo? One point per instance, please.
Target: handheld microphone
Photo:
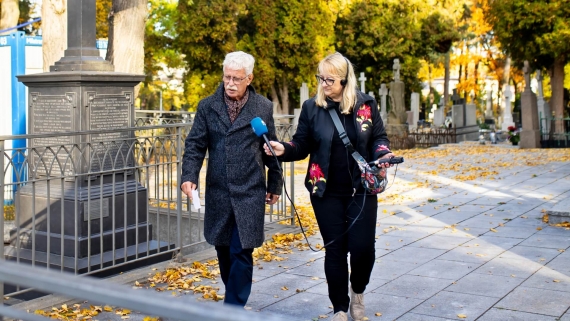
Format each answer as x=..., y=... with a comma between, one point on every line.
x=260, y=129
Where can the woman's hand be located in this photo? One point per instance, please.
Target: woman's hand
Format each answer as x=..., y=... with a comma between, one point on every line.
x=387, y=156
x=278, y=148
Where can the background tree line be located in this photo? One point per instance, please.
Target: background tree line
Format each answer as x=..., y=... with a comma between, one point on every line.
x=288, y=38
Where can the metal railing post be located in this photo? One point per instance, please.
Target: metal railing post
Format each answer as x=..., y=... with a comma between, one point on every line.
x=2, y=187
x=179, y=191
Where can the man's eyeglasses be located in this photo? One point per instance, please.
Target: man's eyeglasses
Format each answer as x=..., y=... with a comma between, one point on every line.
x=328, y=81
x=236, y=80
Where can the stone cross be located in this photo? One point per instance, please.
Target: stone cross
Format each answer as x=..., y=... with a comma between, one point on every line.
x=396, y=69
x=81, y=53
x=371, y=93
x=362, y=79
x=507, y=113
x=383, y=92
x=455, y=98
x=526, y=71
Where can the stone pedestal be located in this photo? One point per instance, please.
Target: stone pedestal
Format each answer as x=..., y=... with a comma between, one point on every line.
x=96, y=206
x=438, y=117
x=530, y=134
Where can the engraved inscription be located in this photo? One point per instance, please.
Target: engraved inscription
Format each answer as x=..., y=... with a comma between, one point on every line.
x=93, y=210
x=51, y=113
x=111, y=150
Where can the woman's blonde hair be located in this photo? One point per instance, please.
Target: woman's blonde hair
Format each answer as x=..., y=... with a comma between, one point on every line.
x=337, y=65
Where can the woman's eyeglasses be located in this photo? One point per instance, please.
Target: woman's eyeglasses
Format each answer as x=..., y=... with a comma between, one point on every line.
x=328, y=81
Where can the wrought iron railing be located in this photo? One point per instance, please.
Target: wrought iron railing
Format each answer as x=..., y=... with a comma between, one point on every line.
x=87, y=206
x=554, y=132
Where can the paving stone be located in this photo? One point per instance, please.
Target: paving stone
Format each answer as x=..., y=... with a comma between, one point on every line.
x=493, y=239
x=518, y=232
x=481, y=221
x=310, y=269
x=266, y=269
x=301, y=306
x=258, y=301
x=548, y=241
x=533, y=254
x=546, y=278
x=442, y=242
x=450, y=304
x=416, y=230
x=547, y=302
x=412, y=286
x=526, y=221
x=554, y=230
x=391, y=306
x=390, y=269
x=420, y=317
x=509, y=315
x=323, y=289
x=472, y=254
x=389, y=242
x=414, y=255
x=560, y=263
x=485, y=285
x=519, y=268
x=441, y=269
x=293, y=282
x=452, y=217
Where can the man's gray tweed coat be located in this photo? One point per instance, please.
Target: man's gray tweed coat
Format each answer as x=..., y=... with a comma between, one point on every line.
x=235, y=178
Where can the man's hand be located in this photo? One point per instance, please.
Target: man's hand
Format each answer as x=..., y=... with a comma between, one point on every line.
x=187, y=188
x=271, y=199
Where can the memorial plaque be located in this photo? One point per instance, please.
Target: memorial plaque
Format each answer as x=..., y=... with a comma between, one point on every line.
x=110, y=150
x=50, y=114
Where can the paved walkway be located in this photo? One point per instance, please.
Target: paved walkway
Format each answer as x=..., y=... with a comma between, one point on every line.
x=460, y=236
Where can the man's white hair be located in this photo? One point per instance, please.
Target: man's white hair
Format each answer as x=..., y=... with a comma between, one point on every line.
x=239, y=60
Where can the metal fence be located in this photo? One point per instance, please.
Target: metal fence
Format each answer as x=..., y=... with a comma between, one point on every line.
x=429, y=137
x=86, y=204
x=554, y=132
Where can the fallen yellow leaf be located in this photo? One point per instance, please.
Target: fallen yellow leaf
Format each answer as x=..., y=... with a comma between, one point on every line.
x=378, y=314
x=493, y=230
x=462, y=316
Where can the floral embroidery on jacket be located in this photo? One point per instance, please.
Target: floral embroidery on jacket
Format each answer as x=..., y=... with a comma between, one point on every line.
x=383, y=147
x=363, y=117
x=316, y=175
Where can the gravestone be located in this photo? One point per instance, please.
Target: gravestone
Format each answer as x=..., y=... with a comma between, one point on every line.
x=438, y=115
x=507, y=111
x=489, y=105
x=415, y=110
x=304, y=96
x=464, y=119
x=397, y=117
x=99, y=207
x=362, y=80
x=371, y=94
x=544, y=112
x=383, y=92
x=530, y=134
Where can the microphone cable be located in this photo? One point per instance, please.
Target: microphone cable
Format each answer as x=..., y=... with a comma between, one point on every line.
x=294, y=209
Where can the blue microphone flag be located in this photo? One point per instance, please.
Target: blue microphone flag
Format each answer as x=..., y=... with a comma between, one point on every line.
x=258, y=126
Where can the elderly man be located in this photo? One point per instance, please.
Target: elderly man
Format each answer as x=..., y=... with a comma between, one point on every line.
x=236, y=188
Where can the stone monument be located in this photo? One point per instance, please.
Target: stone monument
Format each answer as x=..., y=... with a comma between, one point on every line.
x=415, y=110
x=464, y=119
x=362, y=80
x=438, y=114
x=544, y=112
x=99, y=209
x=507, y=112
x=383, y=92
x=489, y=105
x=530, y=134
x=397, y=116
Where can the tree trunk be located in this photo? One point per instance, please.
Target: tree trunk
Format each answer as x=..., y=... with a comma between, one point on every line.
x=10, y=15
x=126, y=36
x=557, y=86
x=54, y=31
x=507, y=70
x=275, y=99
x=284, y=93
x=446, y=82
